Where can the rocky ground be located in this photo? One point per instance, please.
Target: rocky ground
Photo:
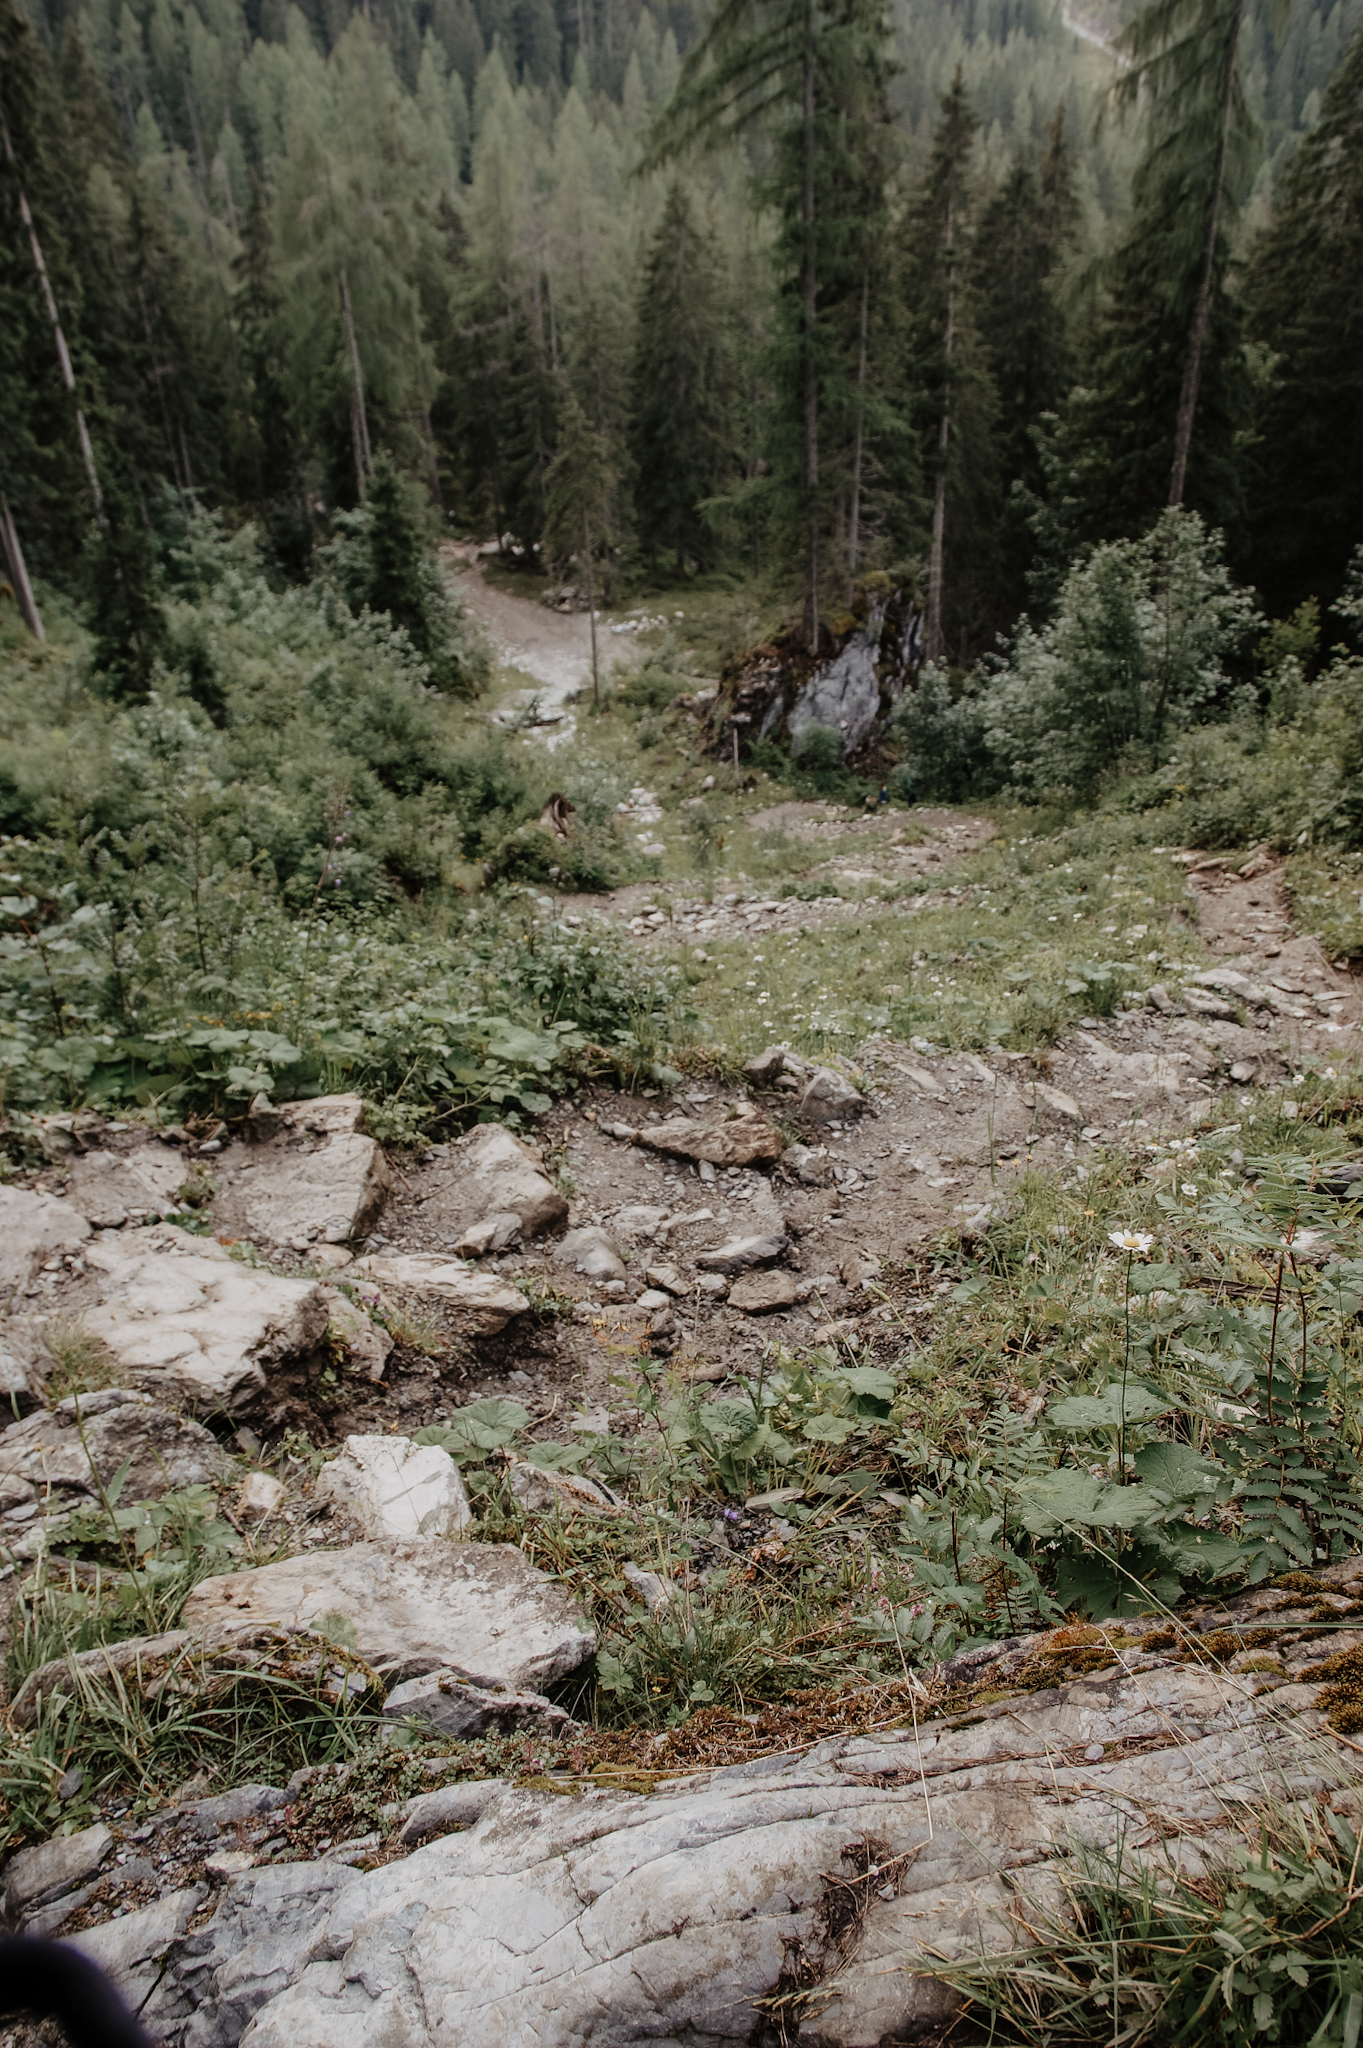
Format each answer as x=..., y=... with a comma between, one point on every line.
x=264, y=1317
x=176, y=1297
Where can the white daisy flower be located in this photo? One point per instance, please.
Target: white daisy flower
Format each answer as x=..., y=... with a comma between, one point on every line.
x=1131, y=1240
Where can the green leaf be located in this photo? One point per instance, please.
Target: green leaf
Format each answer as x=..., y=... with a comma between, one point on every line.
x=869, y=1379
x=1108, y=1409
x=482, y=1426
x=1178, y=1471
x=829, y=1429
x=1070, y=1499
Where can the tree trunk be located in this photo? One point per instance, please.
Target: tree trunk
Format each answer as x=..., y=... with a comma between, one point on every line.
x=591, y=609
x=811, y=394
x=1202, y=312
x=18, y=573
x=359, y=425
x=934, y=641
x=432, y=466
x=854, y=518
x=63, y=355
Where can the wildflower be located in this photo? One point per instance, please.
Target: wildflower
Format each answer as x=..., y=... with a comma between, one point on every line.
x=1131, y=1241
x=732, y=1515
x=1189, y=1187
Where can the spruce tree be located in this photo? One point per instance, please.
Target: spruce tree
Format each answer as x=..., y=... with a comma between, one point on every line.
x=1026, y=232
x=680, y=430
x=126, y=618
x=581, y=506
x=787, y=69
x=953, y=394
x=1304, y=300
x=1184, y=69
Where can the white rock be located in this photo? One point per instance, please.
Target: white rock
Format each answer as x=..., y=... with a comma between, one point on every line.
x=589, y=1251
x=33, y=1229
x=261, y=1491
x=639, y=1220
x=449, y=1807
x=394, y=1487
x=317, y=1178
x=25, y=1362
x=495, y=1173
x=480, y=1606
x=197, y=1325
x=110, y=1187
x=490, y=1301
x=669, y=1917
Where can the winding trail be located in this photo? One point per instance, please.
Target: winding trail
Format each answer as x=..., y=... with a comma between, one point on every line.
x=552, y=650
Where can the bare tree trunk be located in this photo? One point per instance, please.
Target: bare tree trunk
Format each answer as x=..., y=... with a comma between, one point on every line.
x=63, y=354
x=934, y=641
x=811, y=607
x=18, y=573
x=359, y=425
x=432, y=466
x=591, y=609
x=854, y=520
x=1202, y=312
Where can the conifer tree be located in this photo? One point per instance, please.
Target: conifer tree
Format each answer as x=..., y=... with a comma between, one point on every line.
x=125, y=610
x=953, y=394
x=1026, y=232
x=680, y=421
x=1185, y=67
x=1304, y=297
x=581, y=490
x=782, y=65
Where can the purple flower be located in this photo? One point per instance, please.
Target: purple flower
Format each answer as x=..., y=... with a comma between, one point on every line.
x=732, y=1515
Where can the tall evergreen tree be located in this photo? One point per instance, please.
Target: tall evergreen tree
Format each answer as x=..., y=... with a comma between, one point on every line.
x=1184, y=69
x=1026, y=232
x=1304, y=296
x=680, y=426
x=581, y=504
x=953, y=394
x=781, y=65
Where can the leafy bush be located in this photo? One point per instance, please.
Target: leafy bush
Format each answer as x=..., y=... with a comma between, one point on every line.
x=1139, y=646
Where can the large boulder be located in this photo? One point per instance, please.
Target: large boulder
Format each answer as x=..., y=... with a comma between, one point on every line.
x=83, y=1443
x=317, y=1178
x=674, y=1916
x=480, y=1608
x=33, y=1229
x=183, y=1318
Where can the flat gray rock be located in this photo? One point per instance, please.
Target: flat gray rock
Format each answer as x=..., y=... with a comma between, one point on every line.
x=116, y=1425
x=317, y=1178
x=589, y=1251
x=739, y=1253
x=828, y=1096
x=33, y=1229
x=489, y=1301
x=669, y=1917
x=184, y=1319
x=444, y=1700
x=757, y=1294
x=113, y=1188
x=36, y=1876
x=481, y=1607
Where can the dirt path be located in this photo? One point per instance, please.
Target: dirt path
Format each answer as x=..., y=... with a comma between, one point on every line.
x=553, y=650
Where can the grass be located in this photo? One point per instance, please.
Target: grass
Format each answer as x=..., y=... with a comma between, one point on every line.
x=1018, y=941
x=1263, y=1944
